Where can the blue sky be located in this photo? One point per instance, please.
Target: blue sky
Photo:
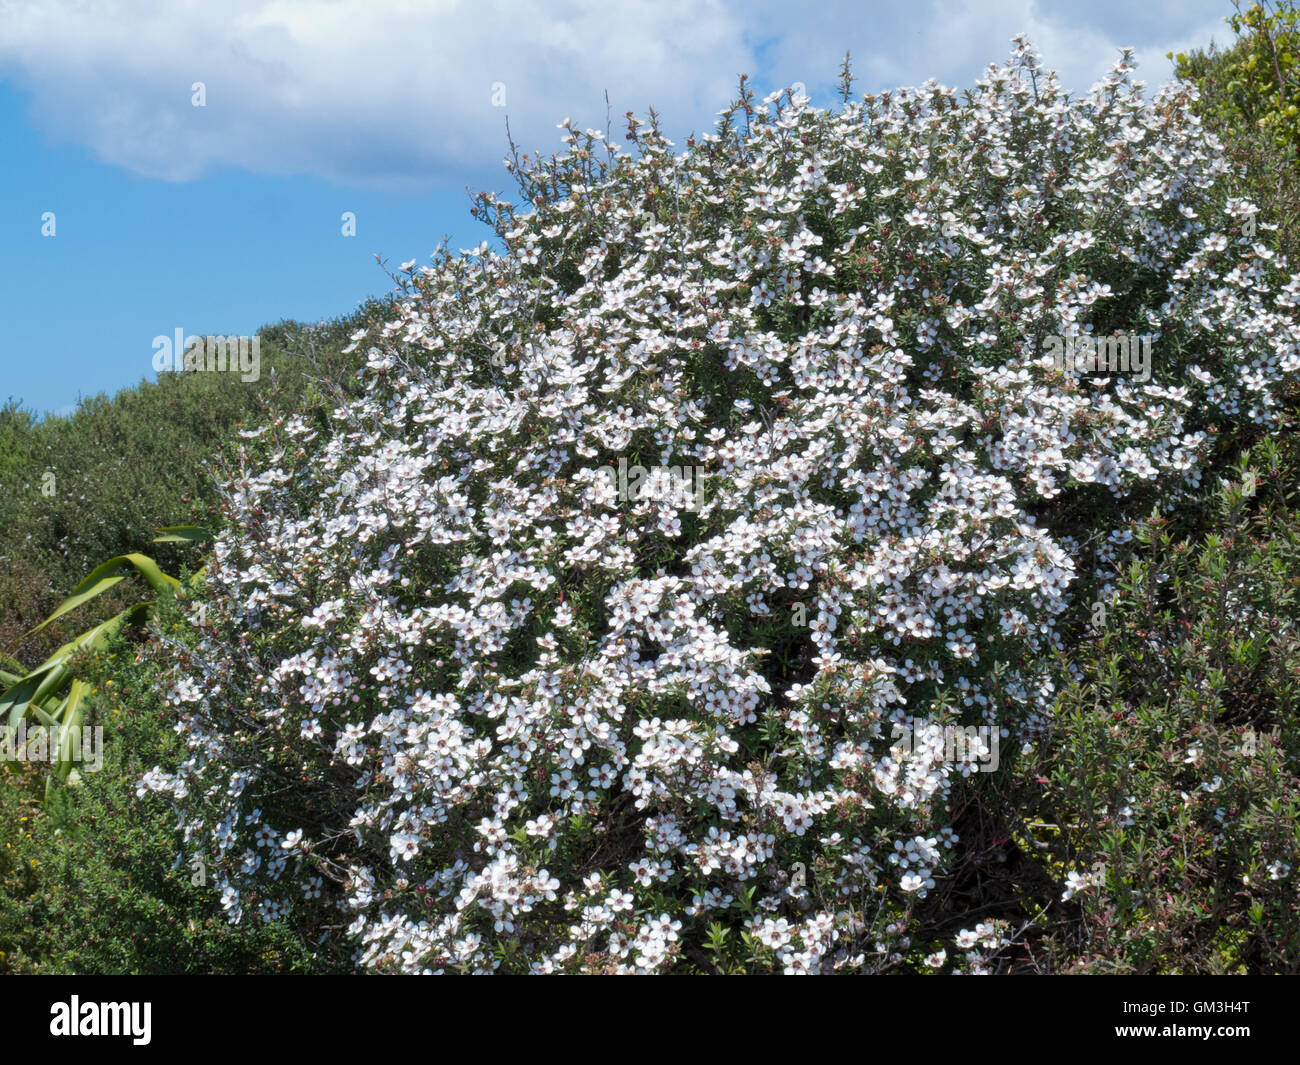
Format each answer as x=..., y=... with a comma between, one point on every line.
x=226, y=217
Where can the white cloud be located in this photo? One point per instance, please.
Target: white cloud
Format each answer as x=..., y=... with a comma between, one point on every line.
x=954, y=41
x=369, y=91
x=399, y=92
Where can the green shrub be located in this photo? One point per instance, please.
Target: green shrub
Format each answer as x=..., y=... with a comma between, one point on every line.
x=145, y=458
x=91, y=882
x=1249, y=98
x=1171, y=778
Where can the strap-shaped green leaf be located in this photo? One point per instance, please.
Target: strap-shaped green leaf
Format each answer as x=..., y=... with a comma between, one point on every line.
x=71, y=716
x=105, y=576
x=15, y=700
x=49, y=677
x=48, y=720
x=182, y=534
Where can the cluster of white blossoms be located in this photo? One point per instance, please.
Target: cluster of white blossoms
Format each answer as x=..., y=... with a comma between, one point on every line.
x=508, y=722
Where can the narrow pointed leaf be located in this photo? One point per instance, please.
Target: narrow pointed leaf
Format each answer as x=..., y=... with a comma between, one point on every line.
x=182, y=534
x=70, y=728
x=105, y=576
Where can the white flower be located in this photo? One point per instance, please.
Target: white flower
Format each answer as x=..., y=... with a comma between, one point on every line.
x=1074, y=883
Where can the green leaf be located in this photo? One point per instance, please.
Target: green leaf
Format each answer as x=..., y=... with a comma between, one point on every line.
x=45, y=719
x=50, y=676
x=105, y=576
x=70, y=727
x=182, y=534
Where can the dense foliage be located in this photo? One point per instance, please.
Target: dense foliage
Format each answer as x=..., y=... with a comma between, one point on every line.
x=1250, y=98
x=122, y=467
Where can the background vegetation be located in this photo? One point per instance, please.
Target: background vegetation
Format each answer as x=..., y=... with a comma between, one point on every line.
x=86, y=883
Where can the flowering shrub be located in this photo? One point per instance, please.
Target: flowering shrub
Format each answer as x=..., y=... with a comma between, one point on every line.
x=453, y=686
